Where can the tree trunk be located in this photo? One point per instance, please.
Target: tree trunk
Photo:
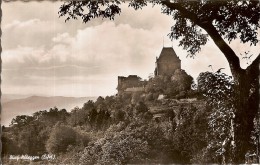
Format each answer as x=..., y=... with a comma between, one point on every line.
x=246, y=94
x=246, y=105
x=246, y=82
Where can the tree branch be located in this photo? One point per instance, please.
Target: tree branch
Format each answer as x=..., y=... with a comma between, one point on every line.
x=223, y=46
x=254, y=67
x=211, y=30
x=183, y=11
x=256, y=61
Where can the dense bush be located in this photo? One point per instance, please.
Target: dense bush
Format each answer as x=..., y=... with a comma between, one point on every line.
x=174, y=86
x=120, y=148
x=219, y=91
x=137, y=142
x=190, y=136
x=64, y=138
x=60, y=138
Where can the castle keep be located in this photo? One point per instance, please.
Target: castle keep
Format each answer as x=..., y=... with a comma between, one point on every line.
x=166, y=64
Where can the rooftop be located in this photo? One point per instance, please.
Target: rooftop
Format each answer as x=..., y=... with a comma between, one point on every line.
x=168, y=53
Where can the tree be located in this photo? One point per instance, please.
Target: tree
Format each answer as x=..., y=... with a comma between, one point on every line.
x=171, y=86
x=182, y=80
x=120, y=148
x=78, y=117
x=195, y=22
x=22, y=120
x=60, y=138
x=135, y=142
x=219, y=91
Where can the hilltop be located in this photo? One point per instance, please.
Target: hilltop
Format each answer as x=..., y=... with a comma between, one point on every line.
x=23, y=105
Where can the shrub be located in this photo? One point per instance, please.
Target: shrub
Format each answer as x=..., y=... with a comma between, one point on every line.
x=60, y=138
x=121, y=148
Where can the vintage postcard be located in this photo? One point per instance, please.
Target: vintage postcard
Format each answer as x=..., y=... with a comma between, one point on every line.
x=130, y=82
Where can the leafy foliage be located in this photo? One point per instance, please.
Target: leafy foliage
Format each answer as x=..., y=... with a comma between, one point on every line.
x=217, y=87
x=190, y=136
x=117, y=149
x=28, y=134
x=219, y=91
x=134, y=143
x=175, y=86
x=230, y=18
x=60, y=138
x=94, y=9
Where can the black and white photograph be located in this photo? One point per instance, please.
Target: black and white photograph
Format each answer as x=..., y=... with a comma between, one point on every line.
x=102, y=82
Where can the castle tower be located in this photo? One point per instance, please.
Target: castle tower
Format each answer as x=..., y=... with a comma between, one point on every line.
x=167, y=62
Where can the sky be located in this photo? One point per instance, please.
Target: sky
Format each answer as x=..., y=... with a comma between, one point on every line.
x=43, y=55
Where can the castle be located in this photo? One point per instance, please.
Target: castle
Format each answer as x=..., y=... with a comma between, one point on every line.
x=166, y=64
x=132, y=83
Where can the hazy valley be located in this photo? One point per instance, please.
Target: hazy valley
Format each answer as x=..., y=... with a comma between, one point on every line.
x=13, y=105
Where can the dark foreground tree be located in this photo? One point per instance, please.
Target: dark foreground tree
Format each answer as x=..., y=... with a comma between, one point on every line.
x=195, y=22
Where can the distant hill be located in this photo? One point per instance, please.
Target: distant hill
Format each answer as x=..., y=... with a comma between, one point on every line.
x=9, y=97
x=27, y=106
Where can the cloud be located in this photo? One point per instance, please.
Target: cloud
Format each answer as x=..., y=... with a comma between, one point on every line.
x=30, y=33
x=102, y=45
x=62, y=38
x=150, y=17
x=19, y=24
x=93, y=52
x=43, y=55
